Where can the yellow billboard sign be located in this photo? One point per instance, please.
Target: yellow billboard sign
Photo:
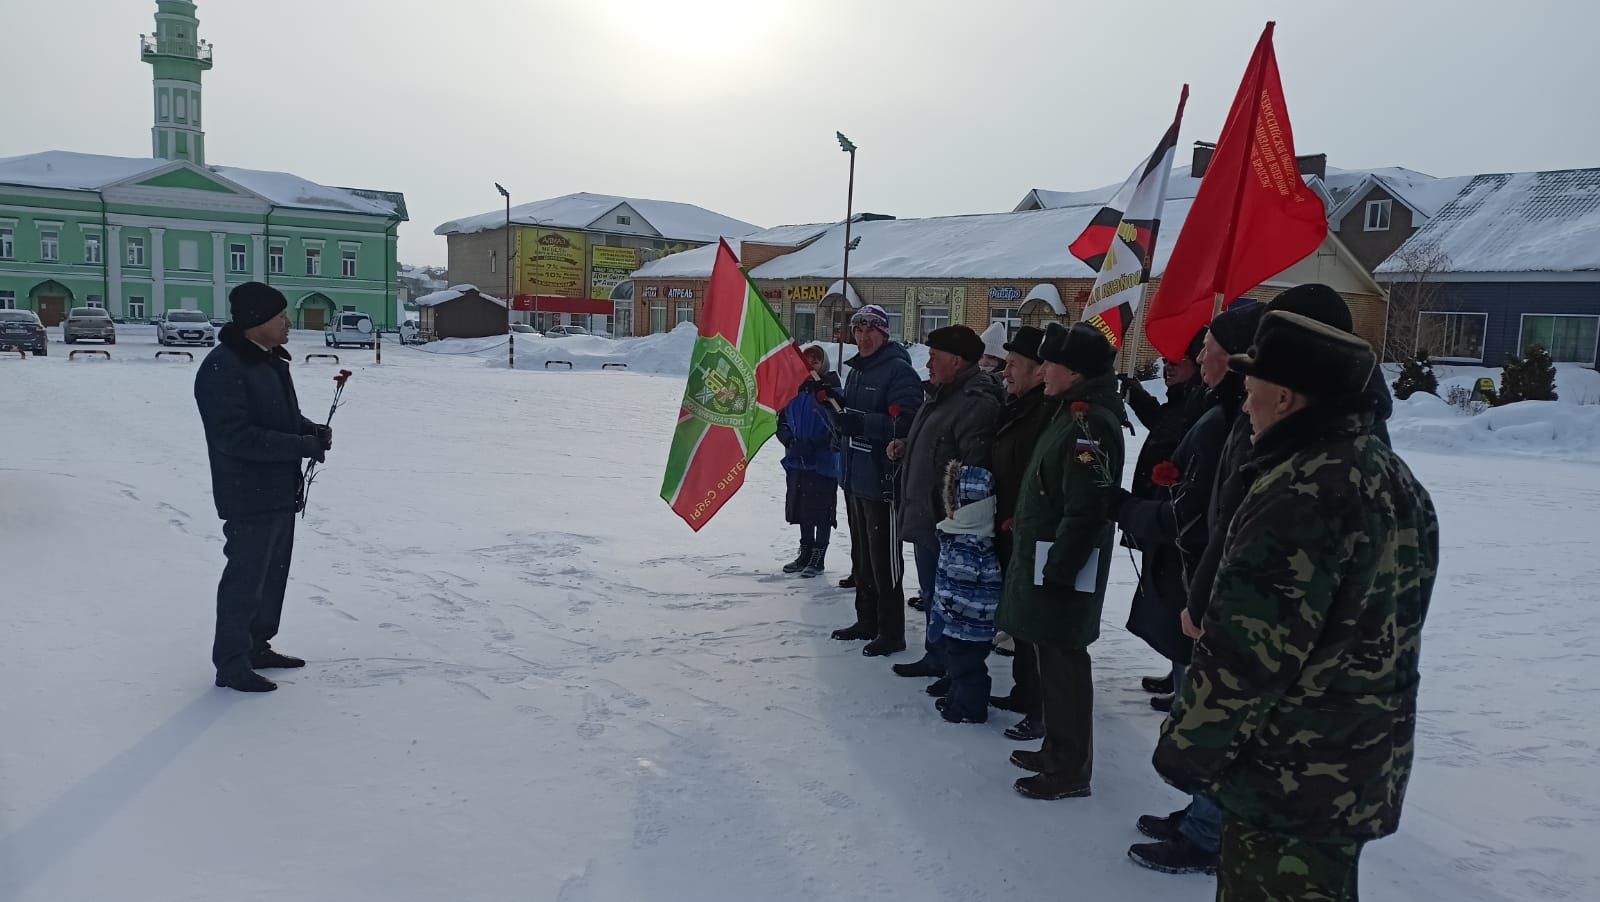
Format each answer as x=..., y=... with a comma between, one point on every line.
x=552, y=262
x=610, y=267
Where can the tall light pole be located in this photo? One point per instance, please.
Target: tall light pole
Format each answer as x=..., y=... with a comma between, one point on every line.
x=511, y=337
x=849, y=213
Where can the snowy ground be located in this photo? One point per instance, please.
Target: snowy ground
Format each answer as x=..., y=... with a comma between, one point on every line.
x=530, y=681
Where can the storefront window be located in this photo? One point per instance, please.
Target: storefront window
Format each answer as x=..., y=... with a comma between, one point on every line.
x=1011, y=316
x=805, y=323
x=658, y=318
x=930, y=318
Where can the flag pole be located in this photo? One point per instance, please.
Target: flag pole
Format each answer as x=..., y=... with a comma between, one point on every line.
x=1238, y=193
x=849, y=147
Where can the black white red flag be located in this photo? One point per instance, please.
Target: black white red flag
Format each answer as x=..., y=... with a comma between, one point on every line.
x=1120, y=242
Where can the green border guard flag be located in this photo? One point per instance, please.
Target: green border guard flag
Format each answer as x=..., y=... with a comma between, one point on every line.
x=744, y=370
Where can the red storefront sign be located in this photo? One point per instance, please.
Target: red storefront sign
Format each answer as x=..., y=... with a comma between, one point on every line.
x=545, y=303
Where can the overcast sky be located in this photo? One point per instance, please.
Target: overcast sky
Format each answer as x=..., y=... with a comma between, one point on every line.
x=958, y=106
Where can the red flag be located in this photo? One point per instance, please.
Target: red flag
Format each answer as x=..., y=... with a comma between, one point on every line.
x=1253, y=217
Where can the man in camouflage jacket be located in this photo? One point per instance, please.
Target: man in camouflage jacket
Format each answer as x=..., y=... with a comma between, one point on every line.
x=1299, y=706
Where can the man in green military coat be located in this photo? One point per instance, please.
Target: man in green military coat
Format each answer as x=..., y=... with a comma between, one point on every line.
x=1298, y=710
x=1062, y=541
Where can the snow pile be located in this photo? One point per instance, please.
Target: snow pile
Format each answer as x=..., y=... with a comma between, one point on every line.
x=1566, y=428
x=666, y=354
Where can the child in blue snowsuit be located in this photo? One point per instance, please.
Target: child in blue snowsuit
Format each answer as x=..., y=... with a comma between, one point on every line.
x=967, y=591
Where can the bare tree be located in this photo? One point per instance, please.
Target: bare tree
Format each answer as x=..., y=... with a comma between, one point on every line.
x=1413, y=292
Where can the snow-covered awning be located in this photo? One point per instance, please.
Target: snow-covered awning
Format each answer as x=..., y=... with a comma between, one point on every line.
x=841, y=287
x=1046, y=292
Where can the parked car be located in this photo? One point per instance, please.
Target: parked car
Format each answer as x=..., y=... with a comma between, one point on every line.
x=219, y=323
x=21, y=330
x=185, y=327
x=565, y=330
x=524, y=329
x=350, y=329
x=88, y=322
x=410, y=334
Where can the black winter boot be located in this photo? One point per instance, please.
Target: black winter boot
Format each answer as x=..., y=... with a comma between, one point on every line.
x=880, y=647
x=267, y=659
x=800, y=560
x=854, y=632
x=1028, y=729
x=848, y=582
x=814, y=562
x=1174, y=856
x=1161, y=828
x=248, y=681
x=1161, y=703
x=1161, y=685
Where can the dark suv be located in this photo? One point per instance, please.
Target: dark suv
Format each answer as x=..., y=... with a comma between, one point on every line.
x=21, y=330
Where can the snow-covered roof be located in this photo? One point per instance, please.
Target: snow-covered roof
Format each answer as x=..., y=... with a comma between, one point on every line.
x=1424, y=194
x=1520, y=222
x=451, y=293
x=1030, y=245
x=1339, y=184
x=72, y=171
x=698, y=262
x=284, y=189
x=93, y=172
x=672, y=220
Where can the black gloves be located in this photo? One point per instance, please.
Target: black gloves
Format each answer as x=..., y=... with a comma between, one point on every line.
x=849, y=423
x=325, y=434
x=311, y=446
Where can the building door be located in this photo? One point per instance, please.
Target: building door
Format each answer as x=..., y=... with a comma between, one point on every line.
x=52, y=309
x=313, y=317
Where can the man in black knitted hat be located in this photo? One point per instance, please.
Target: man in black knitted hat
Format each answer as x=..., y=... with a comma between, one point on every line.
x=955, y=423
x=256, y=438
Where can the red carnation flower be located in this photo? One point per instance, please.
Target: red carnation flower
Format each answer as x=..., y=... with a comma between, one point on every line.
x=1165, y=474
x=343, y=375
x=1080, y=407
x=894, y=411
x=1006, y=526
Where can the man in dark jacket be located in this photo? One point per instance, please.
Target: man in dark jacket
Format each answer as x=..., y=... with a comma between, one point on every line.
x=1187, y=840
x=1062, y=539
x=955, y=423
x=1022, y=421
x=1161, y=590
x=1298, y=711
x=881, y=396
x=256, y=439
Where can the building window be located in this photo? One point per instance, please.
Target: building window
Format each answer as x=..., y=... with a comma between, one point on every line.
x=91, y=249
x=182, y=105
x=930, y=318
x=8, y=244
x=1568, y=339
x=897, y=324
x=347, y=264
x=685, y=313
x=189, y=255
x=313, y=261
x=166, y=106
x=492, y=262
x=197, y=108
x=135, y=251
x=805, y=322
x=624, y=220
x=275, y=259
x=658, y=318
x=49, y=245
x=236, y=258
x=95, y=301
x=1378, y=215
x=135, y=307
x=1011, y=316
x=8, y=300
x=1454, y=337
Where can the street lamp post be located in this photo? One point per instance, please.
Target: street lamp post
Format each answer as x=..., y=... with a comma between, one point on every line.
x=849, y=213
x=511, y=336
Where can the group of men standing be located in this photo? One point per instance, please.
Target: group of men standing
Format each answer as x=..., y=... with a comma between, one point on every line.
x=1288, y=556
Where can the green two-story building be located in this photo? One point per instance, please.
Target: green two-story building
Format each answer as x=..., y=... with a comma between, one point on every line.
x=139, y=236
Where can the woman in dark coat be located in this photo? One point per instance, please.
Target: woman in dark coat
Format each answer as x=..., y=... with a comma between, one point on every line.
x=812, y=465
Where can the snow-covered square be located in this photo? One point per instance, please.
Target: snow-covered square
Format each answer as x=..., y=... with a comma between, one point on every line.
x=530, y=681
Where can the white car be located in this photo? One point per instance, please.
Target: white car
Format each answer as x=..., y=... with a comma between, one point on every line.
x=350, y=329
x=565, y=330
x=185, y=327
x=409, y=333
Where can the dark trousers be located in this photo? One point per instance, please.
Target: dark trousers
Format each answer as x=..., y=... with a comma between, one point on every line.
x=815, y=536
x=250, y=595
x=1271, y=867
x=966, y=667
x=1068, y=695
x=1025, y=673
x=927, y=560
x=880, y=606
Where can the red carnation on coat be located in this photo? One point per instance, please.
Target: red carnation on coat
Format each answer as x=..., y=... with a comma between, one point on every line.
x=894, y=411
x=1165, y=474
x=1080, y=407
